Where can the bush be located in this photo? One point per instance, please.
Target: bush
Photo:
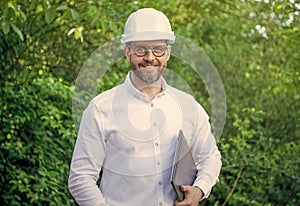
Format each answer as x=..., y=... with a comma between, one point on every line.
x=37, y=138
x=256, y=171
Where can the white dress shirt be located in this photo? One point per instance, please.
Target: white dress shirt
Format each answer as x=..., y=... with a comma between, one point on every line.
x=132, y=140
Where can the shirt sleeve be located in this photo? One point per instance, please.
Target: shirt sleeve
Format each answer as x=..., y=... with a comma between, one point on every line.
x=87, y=160
x=205, y=153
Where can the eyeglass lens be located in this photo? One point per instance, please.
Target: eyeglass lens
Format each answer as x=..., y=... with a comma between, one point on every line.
x=157, y=51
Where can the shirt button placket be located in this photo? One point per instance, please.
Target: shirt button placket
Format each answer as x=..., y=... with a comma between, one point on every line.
x=159, y=171
x=157, y=156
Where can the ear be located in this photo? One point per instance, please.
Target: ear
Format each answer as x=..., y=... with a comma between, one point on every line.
x=126, y=52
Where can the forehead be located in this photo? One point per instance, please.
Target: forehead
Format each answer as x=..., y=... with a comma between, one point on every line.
x=150, y=43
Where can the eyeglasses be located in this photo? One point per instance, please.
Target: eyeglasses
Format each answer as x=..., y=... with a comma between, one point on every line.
x=141, y=50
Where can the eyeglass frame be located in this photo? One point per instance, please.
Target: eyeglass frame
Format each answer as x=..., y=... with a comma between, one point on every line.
x=148, y=48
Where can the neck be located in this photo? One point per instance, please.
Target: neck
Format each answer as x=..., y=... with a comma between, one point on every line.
x=149, y=89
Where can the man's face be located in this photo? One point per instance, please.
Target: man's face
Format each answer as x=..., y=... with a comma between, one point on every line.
x=148, y=59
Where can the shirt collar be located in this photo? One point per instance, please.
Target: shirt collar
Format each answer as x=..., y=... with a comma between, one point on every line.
x=134, y=91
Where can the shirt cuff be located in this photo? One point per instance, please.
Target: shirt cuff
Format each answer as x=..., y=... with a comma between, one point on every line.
x=204, y=188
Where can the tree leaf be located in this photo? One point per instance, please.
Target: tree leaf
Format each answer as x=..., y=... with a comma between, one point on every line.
x=62, y=8
x=18, y=31
x=71, y=31
x=50, y=15
x=23, y=16
x=5, y=27
x=78, y=33
x=75, y=15
x=9, y=13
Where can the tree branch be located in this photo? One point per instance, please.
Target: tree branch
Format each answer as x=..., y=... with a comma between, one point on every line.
x=234, y=185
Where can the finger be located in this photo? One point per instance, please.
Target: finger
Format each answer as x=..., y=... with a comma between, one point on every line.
x=184, y=188
x=182, y=203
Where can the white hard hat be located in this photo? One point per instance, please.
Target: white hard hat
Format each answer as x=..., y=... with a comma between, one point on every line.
x=147, y=24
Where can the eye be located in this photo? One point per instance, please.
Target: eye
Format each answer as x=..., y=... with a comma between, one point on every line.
x=140, y=49
x=159, y=49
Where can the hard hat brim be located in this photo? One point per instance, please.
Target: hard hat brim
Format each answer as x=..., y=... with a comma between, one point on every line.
x=148, y=36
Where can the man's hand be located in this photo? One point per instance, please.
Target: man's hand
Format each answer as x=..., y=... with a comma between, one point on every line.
x=192, y=196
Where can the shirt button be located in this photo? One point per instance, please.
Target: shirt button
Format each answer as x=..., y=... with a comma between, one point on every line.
x=151, y=105
x=158, y=163
x=156, y=144
x=160, y=203
x=160, y=182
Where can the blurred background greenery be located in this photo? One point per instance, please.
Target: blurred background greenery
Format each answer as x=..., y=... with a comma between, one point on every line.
x=254, y=44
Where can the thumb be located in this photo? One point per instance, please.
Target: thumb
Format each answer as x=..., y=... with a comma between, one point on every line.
x=183, y=188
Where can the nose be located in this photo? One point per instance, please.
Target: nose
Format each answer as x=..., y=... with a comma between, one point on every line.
x=149, y=56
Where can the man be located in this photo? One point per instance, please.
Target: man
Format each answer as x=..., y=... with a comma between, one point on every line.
x=129, y=132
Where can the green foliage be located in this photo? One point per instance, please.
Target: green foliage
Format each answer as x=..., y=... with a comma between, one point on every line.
x=254, y=45
x=36, y=135
x=254, y=172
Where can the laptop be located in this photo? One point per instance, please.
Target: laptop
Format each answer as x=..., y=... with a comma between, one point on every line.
x=183, y=169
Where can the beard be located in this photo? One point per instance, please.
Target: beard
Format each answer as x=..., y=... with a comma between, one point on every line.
x=148, y=74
